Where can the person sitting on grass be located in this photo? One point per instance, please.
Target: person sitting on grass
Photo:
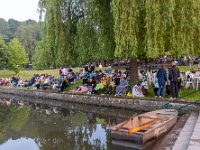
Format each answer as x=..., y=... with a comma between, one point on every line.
x=121, y=89
x=112, y=85
x=91, y=85
x=14, y=81
x=45, y=83
x=62, y=85
x=97, y=76
x=103, y=83
x=70, y=77
x=8, y=81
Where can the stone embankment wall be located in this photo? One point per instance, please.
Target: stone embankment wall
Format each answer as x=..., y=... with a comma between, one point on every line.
x=100, y=100
x=106, y=111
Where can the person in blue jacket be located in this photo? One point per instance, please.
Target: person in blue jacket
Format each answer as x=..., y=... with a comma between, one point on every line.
x=162, y=79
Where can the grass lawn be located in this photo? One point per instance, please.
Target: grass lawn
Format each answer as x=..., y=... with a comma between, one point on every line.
x=28, y=74
x=187, y=68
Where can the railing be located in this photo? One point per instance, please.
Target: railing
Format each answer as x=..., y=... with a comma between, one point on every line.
x=166, y=106
x=179, y=108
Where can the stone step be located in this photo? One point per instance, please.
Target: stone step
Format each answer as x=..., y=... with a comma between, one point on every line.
x=183, y=139
x=169, y=139
x=194, y=143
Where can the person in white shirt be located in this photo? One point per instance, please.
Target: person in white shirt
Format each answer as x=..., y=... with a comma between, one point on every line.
x=100, y=66
x=64, y=71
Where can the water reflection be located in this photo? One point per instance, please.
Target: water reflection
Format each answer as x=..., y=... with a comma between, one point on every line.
x=29, y=125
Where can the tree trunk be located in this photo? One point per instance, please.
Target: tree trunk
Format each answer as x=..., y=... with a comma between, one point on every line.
x=103, y=62
x=133, y=72
x=146, y=65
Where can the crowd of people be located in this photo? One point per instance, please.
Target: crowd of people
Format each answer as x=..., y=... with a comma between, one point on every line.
x=42, y=81
x=108, y=81
x=172, y=87
x=97, y=81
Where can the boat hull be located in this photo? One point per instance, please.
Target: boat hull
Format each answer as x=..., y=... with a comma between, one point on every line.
x=144, y=138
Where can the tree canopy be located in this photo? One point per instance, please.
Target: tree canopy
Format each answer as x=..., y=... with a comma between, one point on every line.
x=3, y=53
x=28, y=35
x=130, y=28
x=17, y=56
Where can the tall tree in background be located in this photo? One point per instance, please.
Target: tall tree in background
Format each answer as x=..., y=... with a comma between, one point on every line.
x=17, y=56
x=28, y=35
x=13, y=26
x=4, y=30
x=3, y=53
x=57, y=33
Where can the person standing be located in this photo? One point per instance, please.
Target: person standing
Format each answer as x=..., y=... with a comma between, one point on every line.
x=191, y=63
x=174, y=74
x=199, y=66
x=86, y=68
x=64, y=72
x=92, y=68
x=109, y=69
x=162, y=79
x=100, y=66
x=60, y=73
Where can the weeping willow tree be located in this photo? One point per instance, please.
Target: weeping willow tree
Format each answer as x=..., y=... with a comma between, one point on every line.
x=58, y=33
x=95, y=35
x=147, y=29
x=101, y=10
x=85, y=42
x=86, y=36
x=75, y=31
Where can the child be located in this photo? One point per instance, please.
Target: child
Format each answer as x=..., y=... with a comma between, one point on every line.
x=90, y=85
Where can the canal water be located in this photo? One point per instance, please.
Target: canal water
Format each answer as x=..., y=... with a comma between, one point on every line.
x=27, y=125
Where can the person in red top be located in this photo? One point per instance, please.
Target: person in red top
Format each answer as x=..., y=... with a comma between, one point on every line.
x=60, y=73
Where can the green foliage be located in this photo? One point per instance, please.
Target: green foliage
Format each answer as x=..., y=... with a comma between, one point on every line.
x=13, y=26
x=4, y=29
x=86, y=42
x=3, y=53
x=28, y=35
x=73, y=31
x=100, y=12
x=148, y=29
x=58, y=30
x=17, y=56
